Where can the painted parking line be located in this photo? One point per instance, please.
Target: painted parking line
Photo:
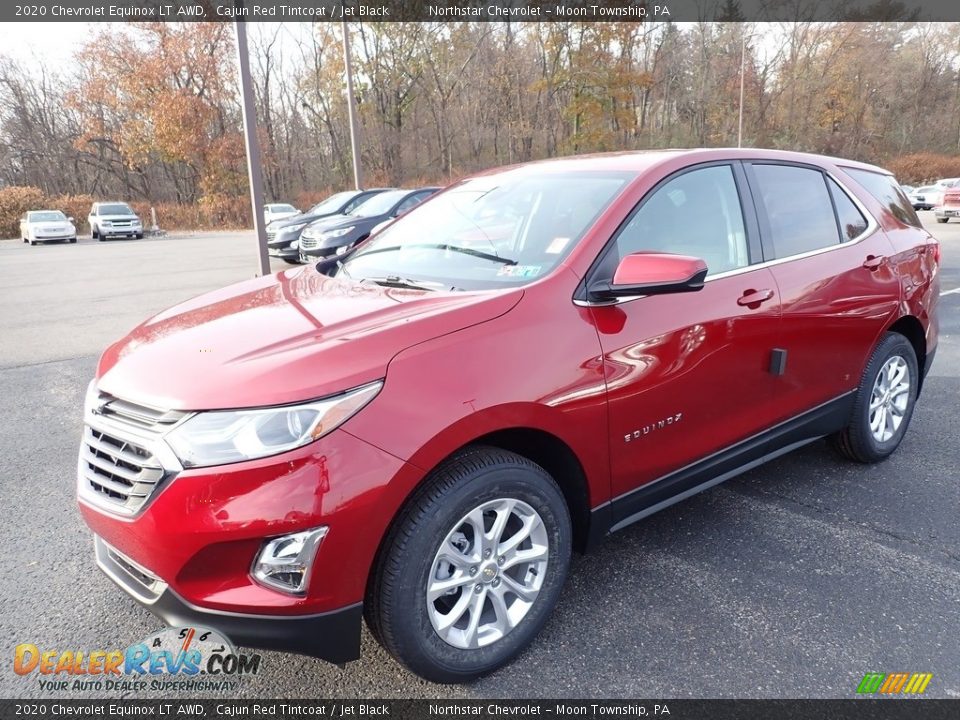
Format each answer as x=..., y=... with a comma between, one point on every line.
x=950, y=292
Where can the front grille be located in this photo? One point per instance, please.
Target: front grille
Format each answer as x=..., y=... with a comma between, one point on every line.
x=271, y=234
x=308, y=243
x=124, y=474
x=118, y=468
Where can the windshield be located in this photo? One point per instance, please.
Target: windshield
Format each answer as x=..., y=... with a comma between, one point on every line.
x=379, y=204
x=500, y=230
x=332, y=203
x=47, y=216
x=281, y=208
x=114, y=210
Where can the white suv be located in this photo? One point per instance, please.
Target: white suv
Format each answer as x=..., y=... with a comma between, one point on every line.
x=114, y=219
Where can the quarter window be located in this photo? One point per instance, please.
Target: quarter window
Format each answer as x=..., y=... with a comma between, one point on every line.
x=697, y=213
x=852, y=222
x=885, y=189
x=798, y=209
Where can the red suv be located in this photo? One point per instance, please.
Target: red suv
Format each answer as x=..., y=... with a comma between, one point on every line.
x=530, y=360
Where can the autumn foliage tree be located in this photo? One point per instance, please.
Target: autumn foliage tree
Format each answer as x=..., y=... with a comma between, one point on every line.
x=162, y=97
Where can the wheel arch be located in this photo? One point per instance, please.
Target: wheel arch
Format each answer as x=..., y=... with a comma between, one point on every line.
x=547, y=450
x=910, y=327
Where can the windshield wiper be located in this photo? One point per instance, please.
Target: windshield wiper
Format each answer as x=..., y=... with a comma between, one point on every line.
x=399, y=282
x=443, y=246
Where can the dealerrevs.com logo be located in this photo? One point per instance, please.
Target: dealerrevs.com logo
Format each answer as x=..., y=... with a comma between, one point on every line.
x=174, y=659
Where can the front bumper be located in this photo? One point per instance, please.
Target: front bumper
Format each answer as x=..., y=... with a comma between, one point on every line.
x=947, y=212
x=332, y=636
x=120, y=232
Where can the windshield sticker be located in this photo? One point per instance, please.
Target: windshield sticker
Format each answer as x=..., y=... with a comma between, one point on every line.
x=520, y=271
x=557, y=245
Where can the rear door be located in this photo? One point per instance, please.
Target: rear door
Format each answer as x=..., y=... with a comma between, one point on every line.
x=838, y=289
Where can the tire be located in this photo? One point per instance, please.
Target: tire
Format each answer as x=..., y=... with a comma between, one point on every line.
x=95, y=233
x=73, y=240
x=292, y=261
x=858, y=441
x=403, y=616
x=139, y=236
x=943, y=220
x=33, y=242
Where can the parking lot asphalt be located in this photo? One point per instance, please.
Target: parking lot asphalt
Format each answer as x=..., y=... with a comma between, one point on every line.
x=793, y=580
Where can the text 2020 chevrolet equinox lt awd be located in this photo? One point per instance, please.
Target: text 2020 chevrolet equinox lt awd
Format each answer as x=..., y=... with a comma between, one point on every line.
x=530, y=360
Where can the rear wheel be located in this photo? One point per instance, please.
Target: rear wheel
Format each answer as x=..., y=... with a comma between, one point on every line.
x=884, y=404
x=472, y=568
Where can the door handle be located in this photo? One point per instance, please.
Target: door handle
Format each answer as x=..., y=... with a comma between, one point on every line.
x=753, y=298
x=873, y=262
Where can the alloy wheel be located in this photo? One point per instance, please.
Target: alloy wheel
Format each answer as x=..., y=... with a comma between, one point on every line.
x=487, y=573
x=889, y=398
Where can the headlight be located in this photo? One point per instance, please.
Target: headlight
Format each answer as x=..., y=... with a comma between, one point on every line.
x=337, y=233
x=293, y=228
x=221, y=437
x=136, y=221
x=106, y=222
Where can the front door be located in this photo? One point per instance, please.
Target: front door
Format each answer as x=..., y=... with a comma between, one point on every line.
x=688, y=374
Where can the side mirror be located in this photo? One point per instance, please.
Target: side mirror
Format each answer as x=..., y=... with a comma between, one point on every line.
x=70, y=219
x=648, y=273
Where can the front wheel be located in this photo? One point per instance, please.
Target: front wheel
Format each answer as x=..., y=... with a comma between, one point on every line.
x=884, y=404
x=472, y=568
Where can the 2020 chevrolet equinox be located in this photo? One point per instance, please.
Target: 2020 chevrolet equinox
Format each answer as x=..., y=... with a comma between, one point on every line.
x=533, y=358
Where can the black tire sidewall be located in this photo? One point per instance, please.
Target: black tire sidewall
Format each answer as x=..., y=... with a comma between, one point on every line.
x=418, y=644
x=891, y=346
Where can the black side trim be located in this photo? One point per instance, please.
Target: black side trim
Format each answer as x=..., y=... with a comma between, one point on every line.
x=714, y=469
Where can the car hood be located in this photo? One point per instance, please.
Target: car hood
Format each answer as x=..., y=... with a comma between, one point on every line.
x=288, y=337
x=335, y=222
x=298, y=219
x=117, y=217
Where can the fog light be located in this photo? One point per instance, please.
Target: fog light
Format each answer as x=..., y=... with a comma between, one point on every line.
x=284, y=563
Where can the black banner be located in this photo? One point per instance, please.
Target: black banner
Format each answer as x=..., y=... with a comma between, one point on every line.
x=479, y=10
x=860, y=709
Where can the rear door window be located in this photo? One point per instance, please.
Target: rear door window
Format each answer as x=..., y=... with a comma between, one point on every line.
x=798, y=208
x=885, y=189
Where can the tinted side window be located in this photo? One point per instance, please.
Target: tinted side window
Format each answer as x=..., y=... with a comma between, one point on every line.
x=697, y=213
x=852, y=222
x=798, y=207
x=885, y=189
x=412, y=202
x=356, y=202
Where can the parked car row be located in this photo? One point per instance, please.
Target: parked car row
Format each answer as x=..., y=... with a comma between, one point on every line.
x=930, y=197
x=335, y=225
x=106, y=220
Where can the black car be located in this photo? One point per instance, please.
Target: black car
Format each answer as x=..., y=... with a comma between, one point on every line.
x=282, y=234
x=335, y=235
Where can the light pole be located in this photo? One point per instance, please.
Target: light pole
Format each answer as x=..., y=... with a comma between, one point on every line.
x=743, y=63
x=254, y=168
x=351, y=109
